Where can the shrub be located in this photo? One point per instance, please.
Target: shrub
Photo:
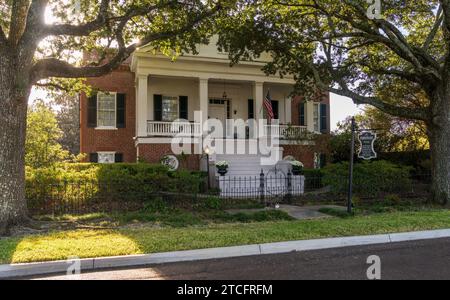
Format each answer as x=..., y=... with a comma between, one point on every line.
x=370, y=178
x=313, y=179
x=87, y=185
x=210, y=202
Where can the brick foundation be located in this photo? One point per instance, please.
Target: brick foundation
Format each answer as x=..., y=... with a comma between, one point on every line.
x=153, y=153
x=302, y=153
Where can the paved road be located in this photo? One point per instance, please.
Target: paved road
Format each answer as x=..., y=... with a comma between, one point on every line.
x=411, y=260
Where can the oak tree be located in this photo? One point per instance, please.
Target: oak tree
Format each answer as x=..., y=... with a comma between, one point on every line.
x=350, y=48
x=42, y=40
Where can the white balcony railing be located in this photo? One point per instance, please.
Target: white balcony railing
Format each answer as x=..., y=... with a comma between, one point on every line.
x=286, y=132
x=169, y=129
x=156, y=128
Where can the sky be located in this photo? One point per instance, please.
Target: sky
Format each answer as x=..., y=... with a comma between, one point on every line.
x=340, y=108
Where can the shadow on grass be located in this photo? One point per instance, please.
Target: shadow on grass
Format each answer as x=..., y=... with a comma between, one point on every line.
x=8, y=247
x=147, y=238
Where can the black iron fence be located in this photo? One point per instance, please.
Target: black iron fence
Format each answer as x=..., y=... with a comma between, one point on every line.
x=265, y=187
x=93, y=196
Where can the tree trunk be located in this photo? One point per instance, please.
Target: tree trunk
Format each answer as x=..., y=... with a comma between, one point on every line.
x=439, y=136
x=14, y=92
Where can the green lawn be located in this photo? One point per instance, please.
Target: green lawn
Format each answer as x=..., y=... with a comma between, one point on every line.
x=150, y=239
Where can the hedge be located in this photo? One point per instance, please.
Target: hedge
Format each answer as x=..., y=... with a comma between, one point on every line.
x=82, y=185
x=370, y=178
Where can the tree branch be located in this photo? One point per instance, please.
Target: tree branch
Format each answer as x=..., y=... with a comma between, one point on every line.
x=434, y=30
x=82, y=29
x=18, y=21
x=52, y=67
x=102, y=19
x=52, y=85
x=400, y=111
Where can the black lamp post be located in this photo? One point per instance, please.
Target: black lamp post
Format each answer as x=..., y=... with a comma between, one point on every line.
x=207, y=151
x=350, y=176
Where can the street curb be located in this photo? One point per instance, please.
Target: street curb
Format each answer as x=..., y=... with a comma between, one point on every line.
x=89, y=264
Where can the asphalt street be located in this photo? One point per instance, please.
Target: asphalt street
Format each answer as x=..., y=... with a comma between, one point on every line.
x=429, y=259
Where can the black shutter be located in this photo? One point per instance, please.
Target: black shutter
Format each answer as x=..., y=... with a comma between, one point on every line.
x=184, y=107
x=118, y=158
x=92, y=111
x=323, y=160
x=275, y=109
x=93, y=157
x=120, y=119
x=323, y=118
x=251, y=109
x=157, y=107
x=301, y=113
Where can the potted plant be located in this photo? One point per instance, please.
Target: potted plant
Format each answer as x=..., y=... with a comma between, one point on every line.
x=297, y=167
x=222, y=167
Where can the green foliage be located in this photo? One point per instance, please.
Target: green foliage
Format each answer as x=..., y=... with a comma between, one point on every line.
x=42, y=147
x=392, y=199
x=99, y=184
x=244, y=217
x=370, y=178
x=313, y=179
x=211, y=202
x=340, y=213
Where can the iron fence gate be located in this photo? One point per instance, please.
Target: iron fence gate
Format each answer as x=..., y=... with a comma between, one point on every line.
x=270, y=186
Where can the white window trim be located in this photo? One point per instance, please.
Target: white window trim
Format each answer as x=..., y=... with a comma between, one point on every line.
x=108, y=153
x=319, y=117
x=115, y=112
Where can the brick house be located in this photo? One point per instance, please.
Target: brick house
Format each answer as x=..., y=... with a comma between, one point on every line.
x=131, y=116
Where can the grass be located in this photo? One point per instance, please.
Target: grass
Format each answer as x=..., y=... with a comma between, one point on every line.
x=139, y=240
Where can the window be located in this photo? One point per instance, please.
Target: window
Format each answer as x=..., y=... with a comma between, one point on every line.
x=316, y=117
x=301, y=114
x=106, y=110
x=106, y=157
x=276, y=115
x=170, y=108
x=320, y=160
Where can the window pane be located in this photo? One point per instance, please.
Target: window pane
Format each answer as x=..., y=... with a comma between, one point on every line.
x=106, y=112
x=169, y=108
x=106, y=158
x=316, y=117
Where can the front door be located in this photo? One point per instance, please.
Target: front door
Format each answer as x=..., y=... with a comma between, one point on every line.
x=218, y=111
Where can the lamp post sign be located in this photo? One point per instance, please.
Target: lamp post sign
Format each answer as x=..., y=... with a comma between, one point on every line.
x=367, y=140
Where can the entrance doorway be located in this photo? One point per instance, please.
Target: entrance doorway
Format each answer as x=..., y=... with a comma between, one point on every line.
x=218, y=112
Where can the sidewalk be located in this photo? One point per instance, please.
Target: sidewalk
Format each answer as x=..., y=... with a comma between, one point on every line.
x=90, y=264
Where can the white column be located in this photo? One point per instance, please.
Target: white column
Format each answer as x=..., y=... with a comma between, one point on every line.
x=142, y=105
x=204, y=100
x=258, y=96
x=287, y=110
x=204, y=103
x=310, y=116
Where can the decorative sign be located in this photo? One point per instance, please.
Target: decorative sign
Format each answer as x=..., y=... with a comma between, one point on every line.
x=367, y=140
x=171, y=161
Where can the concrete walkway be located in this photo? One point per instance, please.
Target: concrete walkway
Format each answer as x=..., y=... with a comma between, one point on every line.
x=297, y=212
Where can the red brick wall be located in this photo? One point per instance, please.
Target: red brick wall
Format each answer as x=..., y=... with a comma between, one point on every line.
x=152, y=153
x=302, y=153
x=120, y=140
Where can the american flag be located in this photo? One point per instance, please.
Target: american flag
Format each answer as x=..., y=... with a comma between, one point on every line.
x=268, y=105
